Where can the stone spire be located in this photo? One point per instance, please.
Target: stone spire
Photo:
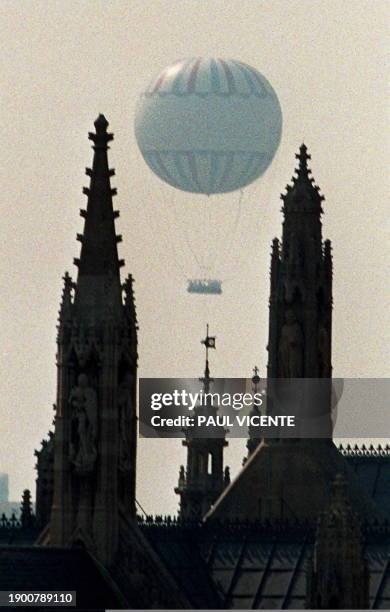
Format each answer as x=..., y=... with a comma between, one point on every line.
x=339, y=576
x=98, y=286
x=205, y=478
x=95, y=425
x=290, y=478
x=303, y=194
x=301, y=284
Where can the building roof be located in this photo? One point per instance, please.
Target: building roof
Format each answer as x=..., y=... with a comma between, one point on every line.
x=372, y=466
x=230, y=564
x=257, y=566
x=293, y=479
x=180, y=552
x=58, y=569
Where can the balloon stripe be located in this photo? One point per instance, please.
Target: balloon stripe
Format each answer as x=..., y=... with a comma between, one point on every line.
x=193, y=169
x=230, y=77
x=251, y=167
x=164, y=171
x=261, y=88
x=214, y=164
x=185, y=176
x=192, y=77
x=179, y=81
x=215, y=81
x=159, y=82
x=243, y=69
x=227, y=170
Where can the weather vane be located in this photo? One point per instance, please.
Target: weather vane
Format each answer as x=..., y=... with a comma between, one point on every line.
x=209, y=343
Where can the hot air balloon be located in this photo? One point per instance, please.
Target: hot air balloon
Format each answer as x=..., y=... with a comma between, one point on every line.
x=208, y=126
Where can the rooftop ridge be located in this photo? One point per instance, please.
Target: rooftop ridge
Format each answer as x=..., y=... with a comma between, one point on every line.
x=362, y=451
x=165, y=523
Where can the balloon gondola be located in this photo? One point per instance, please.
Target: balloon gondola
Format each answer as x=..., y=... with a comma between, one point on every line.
x=204, y=286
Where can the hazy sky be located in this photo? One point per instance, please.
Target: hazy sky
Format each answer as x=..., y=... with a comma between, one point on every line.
x=62, y=64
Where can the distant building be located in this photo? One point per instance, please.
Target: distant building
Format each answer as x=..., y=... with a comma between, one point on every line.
x=4, y=489
x=7, y=507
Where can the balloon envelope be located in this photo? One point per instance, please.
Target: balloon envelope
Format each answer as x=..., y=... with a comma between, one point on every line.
x=208, y=125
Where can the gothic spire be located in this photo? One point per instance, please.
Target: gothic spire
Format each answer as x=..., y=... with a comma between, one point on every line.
x=301, y=283
x=303, y=195
x=86, y=483
x=98, y=284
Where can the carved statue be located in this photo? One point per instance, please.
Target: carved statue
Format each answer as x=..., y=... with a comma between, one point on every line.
x=291, y=348
x=83, y=400
x=125, y=407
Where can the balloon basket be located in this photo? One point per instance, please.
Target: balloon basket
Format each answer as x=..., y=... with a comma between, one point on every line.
x=205, y=286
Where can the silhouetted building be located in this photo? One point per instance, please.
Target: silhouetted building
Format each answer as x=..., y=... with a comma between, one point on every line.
x=203, y=481
x=303, y=524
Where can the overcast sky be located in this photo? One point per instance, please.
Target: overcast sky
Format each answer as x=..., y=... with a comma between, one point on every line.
x=62, y=64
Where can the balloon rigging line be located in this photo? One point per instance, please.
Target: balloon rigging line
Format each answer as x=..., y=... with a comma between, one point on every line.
x=261, y=193
x=187, y=240
x=233, y=231
x=157, y=237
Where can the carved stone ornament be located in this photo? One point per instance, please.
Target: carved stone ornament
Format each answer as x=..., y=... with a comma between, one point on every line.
x=83, y=446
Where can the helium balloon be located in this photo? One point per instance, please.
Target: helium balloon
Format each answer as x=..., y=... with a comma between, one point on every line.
x=208, y=125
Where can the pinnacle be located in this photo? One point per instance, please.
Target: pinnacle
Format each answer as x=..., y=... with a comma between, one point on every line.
x=100, y=137
x=101, y=123
x=303, y=187
x=303, y=156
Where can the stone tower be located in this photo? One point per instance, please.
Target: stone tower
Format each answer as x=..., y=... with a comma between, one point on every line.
x=339, y=577
x=300, y=316
x=291, y=478
x=300, y=312
x=205, y=478
x=95, y=423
